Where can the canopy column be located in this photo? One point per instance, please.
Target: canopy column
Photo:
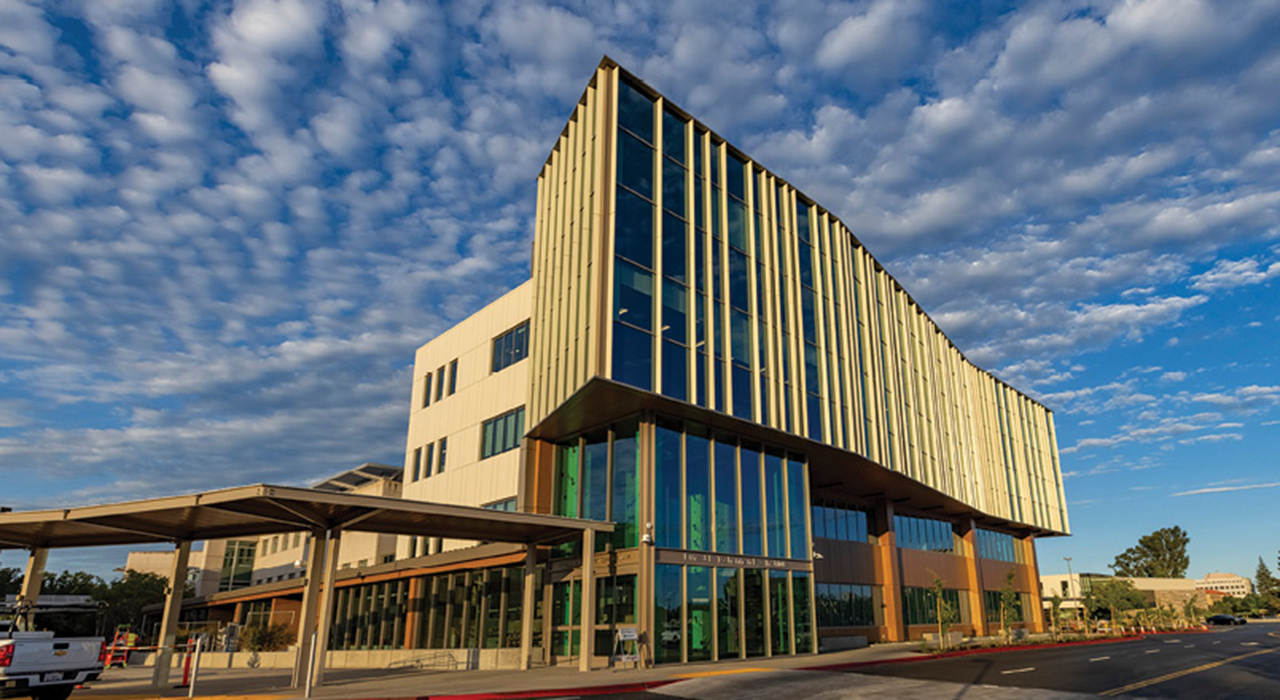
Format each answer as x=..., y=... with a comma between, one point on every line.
x=586, y=630
x=32, y=581
x=172, y=608
x=327, y=601
x=526, y=612
x=310, y=591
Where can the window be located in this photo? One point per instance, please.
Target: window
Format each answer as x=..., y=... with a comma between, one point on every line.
x=838, y=521
x=416, y=472
x=426, y=463
x=845, y=605
x=502, y=433
x=511, y=347
x=444, y=445
x=388, y=558
x=426, y=390
x=453, y=377
x=440, y=383
x=924, y=533
x=920, y=605
x=991, y=603
x=998, y=546
x=507, y=505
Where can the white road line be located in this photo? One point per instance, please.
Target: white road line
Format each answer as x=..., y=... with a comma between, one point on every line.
x=1189, y=646
x=1100, y=658
x=1218, y=642
x=1153, y=651
x=1248, y=644
x=1018, y=670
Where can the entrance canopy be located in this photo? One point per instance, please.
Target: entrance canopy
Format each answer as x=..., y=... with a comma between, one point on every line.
x=263, y=509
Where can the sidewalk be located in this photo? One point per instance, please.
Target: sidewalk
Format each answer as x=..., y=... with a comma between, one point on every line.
x=273, y=684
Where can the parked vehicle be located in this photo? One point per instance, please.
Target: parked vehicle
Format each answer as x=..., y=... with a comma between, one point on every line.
x=1225, y=620
x=42, y=666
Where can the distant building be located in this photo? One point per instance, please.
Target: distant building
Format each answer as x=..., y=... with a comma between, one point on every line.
x=1157, y=591
x=1230, y=584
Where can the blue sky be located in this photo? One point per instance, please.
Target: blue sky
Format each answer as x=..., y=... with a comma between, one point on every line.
x=227, y=226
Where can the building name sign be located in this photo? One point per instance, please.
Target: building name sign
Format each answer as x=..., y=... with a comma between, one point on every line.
x=673, y=556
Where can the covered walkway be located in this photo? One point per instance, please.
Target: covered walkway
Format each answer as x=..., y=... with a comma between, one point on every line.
x=250, y=511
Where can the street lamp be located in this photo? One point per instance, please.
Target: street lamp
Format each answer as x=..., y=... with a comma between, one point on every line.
x=1070, y=577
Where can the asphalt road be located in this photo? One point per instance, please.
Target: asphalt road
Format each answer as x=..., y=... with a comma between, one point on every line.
x=1226, y=662
x=1237, y=662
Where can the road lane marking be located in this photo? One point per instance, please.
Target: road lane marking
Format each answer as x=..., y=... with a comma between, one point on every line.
x=1179, y=674
x=1100, y=658
x=1248, y=644
x=1218, y=642
x=1018, y=670
x=1153, y=651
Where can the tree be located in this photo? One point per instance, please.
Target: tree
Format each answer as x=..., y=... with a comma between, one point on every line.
x=125, y=597
x=1162, y=554
x=10, y=581
x=1055, y=605
x=945, y=611
x=1266, y=585
x=1115, y=596
x=1009, y=608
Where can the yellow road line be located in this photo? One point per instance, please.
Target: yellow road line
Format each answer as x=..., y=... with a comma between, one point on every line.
x=1179, y=674
x=726, y=672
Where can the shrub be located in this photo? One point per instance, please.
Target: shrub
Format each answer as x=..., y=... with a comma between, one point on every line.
x=265, y=638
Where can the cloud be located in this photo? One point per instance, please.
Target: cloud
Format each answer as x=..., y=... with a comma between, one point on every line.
x=1226, y=489
x=1243, y=399
x=1227, y=274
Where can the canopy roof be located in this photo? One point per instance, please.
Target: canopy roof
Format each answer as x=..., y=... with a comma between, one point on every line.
x=263, y=509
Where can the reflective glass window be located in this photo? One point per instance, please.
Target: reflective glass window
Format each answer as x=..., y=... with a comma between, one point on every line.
x=797, y=499
x=626, y=497
x=632, y=356
x=775, y=506
x=674, y=188
x=633, y=231
x=595, y=476
x=701, y=627
x=632, y=296
x=675, y=370
x=675, y=311
x=667, y=499
x=635, y=111
x=737, y=176
x=752, y=518
x=635, y=165
x=753, y=606
x=726, y=486
x=698, y=492
x=668, y=601
x=728, y=587
x=675, y=235
x=780, y=612
x=673, y=137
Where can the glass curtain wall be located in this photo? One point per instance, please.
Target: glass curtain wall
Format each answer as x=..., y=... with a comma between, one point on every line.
x=717, y=493
x=597, y=477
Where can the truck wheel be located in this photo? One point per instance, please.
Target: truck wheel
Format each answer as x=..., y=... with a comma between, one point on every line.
x=55, y=692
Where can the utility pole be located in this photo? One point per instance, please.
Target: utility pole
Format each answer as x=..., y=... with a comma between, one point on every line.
x=1070, y=583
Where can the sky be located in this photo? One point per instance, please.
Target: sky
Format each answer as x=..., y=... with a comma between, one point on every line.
x=225, y=227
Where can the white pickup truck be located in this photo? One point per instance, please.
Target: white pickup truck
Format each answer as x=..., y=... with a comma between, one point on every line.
x=42, y=666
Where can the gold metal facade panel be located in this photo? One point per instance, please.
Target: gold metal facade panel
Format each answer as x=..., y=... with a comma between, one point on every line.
x=892, y=386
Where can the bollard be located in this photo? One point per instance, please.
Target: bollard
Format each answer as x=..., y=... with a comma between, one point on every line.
x=195, y=671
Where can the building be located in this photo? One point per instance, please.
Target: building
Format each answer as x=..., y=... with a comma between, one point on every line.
x=792, y=451
x=1158, y=592
x=1228, y=584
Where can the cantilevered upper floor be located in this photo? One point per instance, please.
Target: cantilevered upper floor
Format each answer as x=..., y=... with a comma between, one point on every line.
x=670, y=261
